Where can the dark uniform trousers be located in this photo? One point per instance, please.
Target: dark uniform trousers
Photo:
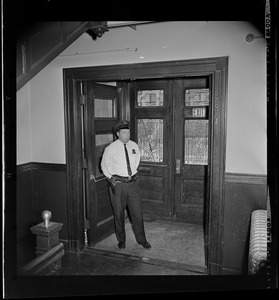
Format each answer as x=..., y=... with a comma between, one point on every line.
x=127, y=194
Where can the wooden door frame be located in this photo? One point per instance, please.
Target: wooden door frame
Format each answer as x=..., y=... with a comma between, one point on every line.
x=217, y=68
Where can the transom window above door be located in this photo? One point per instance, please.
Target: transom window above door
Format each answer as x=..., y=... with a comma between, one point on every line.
x=150, y=98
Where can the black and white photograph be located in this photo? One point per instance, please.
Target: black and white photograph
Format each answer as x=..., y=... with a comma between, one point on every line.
x=139, y=157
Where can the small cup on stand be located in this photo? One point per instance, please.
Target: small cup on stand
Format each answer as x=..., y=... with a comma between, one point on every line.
x=46, y=216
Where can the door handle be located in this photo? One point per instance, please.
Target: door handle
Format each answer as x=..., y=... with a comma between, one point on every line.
x=177, y=166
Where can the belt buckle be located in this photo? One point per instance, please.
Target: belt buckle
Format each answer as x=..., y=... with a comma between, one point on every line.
x=129, y=178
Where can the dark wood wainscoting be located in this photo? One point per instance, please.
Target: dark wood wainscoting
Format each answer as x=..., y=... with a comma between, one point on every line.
x=40, y=186
x=244, y=193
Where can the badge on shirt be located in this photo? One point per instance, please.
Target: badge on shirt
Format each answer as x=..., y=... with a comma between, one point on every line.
x=133, y=151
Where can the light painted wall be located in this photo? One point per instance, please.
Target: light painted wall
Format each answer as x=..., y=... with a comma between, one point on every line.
x=47, y=115
x=165, y=41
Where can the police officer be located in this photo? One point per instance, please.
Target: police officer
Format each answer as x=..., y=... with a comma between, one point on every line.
x=119, y=164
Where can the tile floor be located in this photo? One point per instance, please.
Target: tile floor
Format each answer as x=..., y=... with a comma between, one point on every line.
x=177, y=249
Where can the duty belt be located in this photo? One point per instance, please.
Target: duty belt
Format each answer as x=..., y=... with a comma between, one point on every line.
x=125, y=179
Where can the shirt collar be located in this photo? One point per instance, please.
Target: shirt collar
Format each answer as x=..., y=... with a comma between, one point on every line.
x=122, y=142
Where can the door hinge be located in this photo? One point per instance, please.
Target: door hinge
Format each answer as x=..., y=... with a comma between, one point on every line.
x=82, y=99
x=86, y=224
x=84, y=163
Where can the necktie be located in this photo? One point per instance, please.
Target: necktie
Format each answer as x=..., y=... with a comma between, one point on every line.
x=128, y=161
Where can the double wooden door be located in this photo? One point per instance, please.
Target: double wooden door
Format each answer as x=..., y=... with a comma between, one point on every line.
x=169, y=121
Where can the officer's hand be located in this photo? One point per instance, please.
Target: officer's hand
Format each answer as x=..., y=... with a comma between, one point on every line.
x=113, y=180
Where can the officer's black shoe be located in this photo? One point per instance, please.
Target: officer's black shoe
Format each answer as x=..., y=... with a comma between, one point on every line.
x=146, y=245
x=121, y=245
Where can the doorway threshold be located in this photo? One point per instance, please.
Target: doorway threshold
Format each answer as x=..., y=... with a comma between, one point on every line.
x=195, y=270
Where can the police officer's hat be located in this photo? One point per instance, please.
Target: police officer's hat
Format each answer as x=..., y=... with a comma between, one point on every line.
x=121, y=125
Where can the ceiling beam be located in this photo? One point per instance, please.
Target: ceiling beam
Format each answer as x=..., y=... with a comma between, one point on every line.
x=112, y=24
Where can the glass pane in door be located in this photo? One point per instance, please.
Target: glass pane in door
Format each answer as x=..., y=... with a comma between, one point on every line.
x=101, y=141
x=150, y=98
x=104, y=108
x=150, y=139
x=196, y=142
x=197, y=97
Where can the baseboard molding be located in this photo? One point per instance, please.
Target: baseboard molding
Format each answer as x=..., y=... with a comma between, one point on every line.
x=230, y=271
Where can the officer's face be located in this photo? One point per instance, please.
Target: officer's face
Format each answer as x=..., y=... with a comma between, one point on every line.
x=124, y=135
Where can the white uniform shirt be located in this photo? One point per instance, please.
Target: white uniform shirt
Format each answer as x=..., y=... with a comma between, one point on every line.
x=114, y=159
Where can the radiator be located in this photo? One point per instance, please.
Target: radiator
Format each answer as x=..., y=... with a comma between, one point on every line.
x=258, y=242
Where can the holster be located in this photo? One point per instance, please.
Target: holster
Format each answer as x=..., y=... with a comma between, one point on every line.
x=111, y=184
x=120, y=179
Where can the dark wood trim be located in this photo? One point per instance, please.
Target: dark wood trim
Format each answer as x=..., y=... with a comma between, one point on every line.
x=41, y=166
x=39, y=186
x=216, y=168
x=161, y=69
x=73, y=161
x=230, y=271
x=24, y=168
x=215, y=67
x=246, y=178
x=67, y=36
x=45, y=263
x=244, y=193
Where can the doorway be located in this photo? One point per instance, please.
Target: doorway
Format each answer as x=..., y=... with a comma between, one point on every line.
x=182, y=173
x=169, y=121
